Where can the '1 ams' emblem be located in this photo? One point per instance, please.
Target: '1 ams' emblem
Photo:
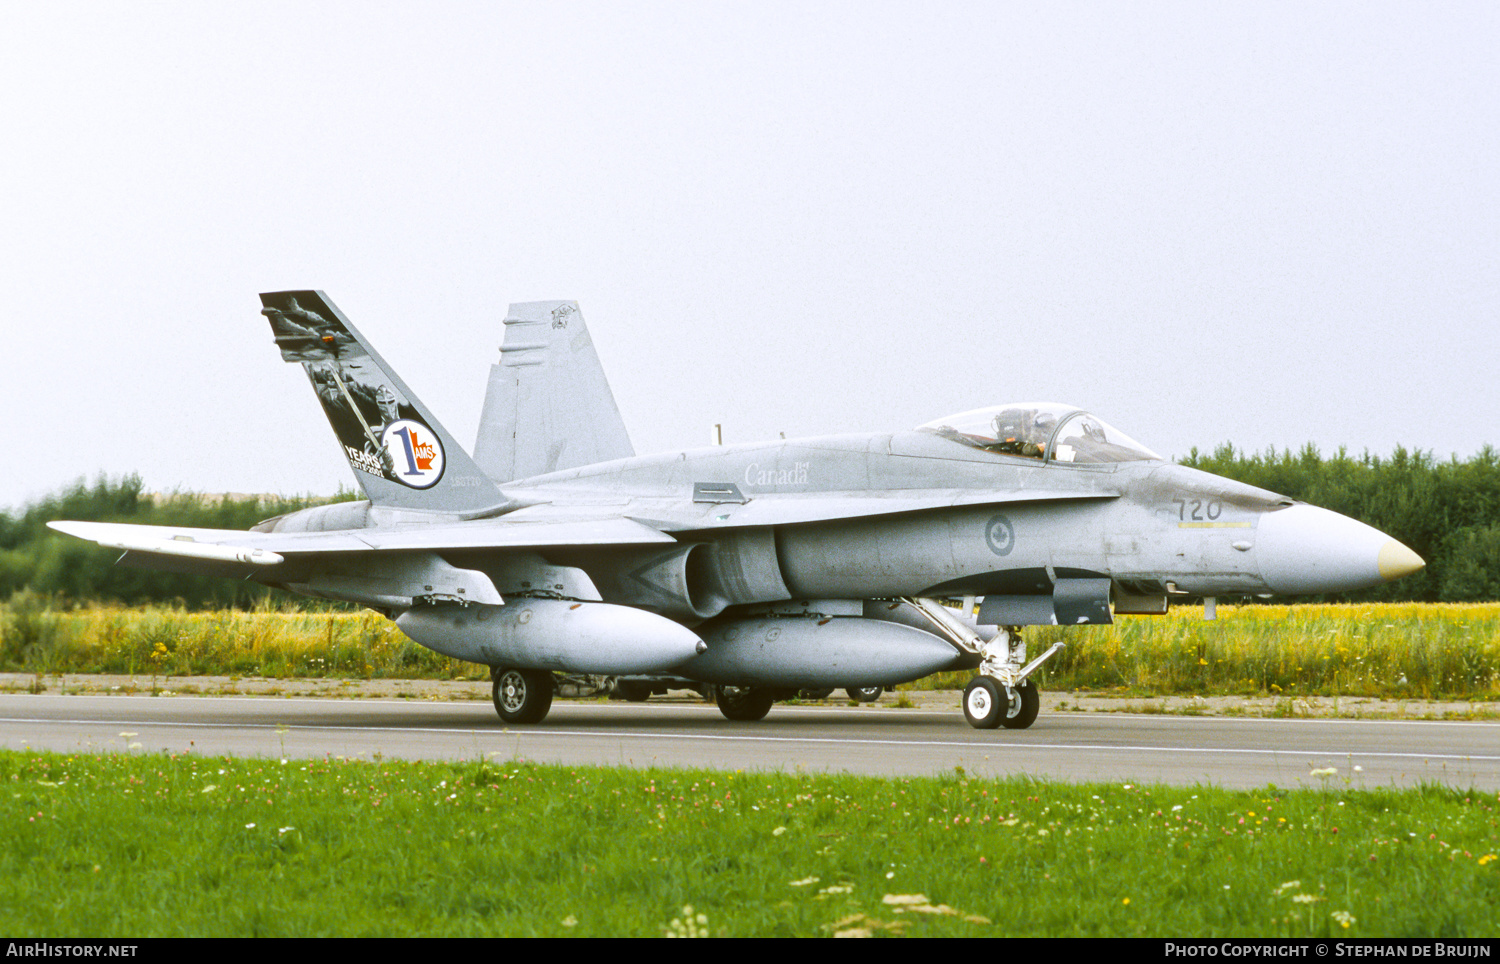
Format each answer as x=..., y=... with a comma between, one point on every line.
x=416, y=455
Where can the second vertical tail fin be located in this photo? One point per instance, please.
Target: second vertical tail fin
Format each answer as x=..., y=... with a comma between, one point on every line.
x=548, y=406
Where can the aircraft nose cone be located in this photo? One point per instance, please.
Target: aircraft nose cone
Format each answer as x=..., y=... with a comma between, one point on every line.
x=1303, y=550
x=1396, y=561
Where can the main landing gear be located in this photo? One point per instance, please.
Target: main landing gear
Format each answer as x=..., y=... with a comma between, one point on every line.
x=522, y=695
x=744, y=704
x=859, y=694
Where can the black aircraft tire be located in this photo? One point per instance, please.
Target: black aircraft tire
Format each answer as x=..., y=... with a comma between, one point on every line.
x=522, y=695
x=984, y=703
x=1023, y=710
x=632, y=691
x=744, y=704
x=864, y=694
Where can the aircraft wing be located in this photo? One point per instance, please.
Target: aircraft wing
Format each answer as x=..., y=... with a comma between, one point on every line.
x=518, y=534
x=795, y=509
x=269, y=548
x=542, y=526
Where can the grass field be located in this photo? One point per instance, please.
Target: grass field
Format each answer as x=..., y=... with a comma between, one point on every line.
x=1390, y=650
x=1396, y=650
x=154, y=845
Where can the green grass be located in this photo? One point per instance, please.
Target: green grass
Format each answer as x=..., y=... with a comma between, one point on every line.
x=173, y=641
x=1386, y=650
x=155, y=845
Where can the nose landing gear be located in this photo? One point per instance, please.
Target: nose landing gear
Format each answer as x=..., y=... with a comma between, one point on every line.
x=1003, y=693
x=989, y=703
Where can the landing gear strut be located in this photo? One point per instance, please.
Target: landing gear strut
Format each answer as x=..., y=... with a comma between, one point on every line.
x=522, y=695
x=1003, y=693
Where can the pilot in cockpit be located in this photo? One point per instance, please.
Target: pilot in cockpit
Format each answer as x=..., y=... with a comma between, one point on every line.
x=1022, y=432
x=1045, y=430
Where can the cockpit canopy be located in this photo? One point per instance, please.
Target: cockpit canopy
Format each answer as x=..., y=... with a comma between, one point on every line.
x=1041, y=430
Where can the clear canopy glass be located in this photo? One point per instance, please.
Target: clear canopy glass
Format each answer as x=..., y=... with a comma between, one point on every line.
x=1041, y=430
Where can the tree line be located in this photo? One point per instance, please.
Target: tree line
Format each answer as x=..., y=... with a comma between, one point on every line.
x=37, y=560
x=1448, y=512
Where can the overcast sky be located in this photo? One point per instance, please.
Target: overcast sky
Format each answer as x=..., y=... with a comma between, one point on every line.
x=1261, y=223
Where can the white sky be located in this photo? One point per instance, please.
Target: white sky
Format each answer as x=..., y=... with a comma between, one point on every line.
x=1257, y=222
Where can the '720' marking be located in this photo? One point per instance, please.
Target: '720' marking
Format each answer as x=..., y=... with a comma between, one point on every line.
x=1201, y=514
x=1197, y=510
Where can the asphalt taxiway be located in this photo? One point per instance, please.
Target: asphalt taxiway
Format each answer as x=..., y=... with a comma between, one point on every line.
x=1229, y=752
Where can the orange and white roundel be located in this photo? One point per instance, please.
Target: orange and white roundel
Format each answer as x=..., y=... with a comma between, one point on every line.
x=415, y=452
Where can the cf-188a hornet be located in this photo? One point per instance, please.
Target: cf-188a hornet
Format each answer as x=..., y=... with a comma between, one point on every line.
x=761, y=569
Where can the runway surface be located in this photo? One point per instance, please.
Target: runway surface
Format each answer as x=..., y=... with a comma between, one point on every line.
x=868, y=740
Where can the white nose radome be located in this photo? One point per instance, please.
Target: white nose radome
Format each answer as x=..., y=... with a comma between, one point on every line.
x=1396, y=560
x=1303, y=550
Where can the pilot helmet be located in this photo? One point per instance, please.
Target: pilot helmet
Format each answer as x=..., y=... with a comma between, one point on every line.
x=1010, y=425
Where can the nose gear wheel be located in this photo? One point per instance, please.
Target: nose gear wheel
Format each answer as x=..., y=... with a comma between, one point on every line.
x=989, y=704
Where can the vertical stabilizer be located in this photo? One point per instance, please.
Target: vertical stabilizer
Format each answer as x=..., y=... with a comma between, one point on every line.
x=548, y=406
x=401, y=455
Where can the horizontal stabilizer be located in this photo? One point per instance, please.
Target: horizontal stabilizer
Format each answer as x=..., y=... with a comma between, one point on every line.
x=163, y=541
x=271, y=548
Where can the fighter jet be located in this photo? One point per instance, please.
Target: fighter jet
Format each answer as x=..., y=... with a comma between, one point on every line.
x=761, y=569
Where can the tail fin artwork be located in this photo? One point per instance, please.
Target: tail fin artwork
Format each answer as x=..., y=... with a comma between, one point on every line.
x=548, y=406
x=400, y=454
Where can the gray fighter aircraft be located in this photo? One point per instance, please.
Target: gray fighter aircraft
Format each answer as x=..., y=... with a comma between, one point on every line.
x=762, y=568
